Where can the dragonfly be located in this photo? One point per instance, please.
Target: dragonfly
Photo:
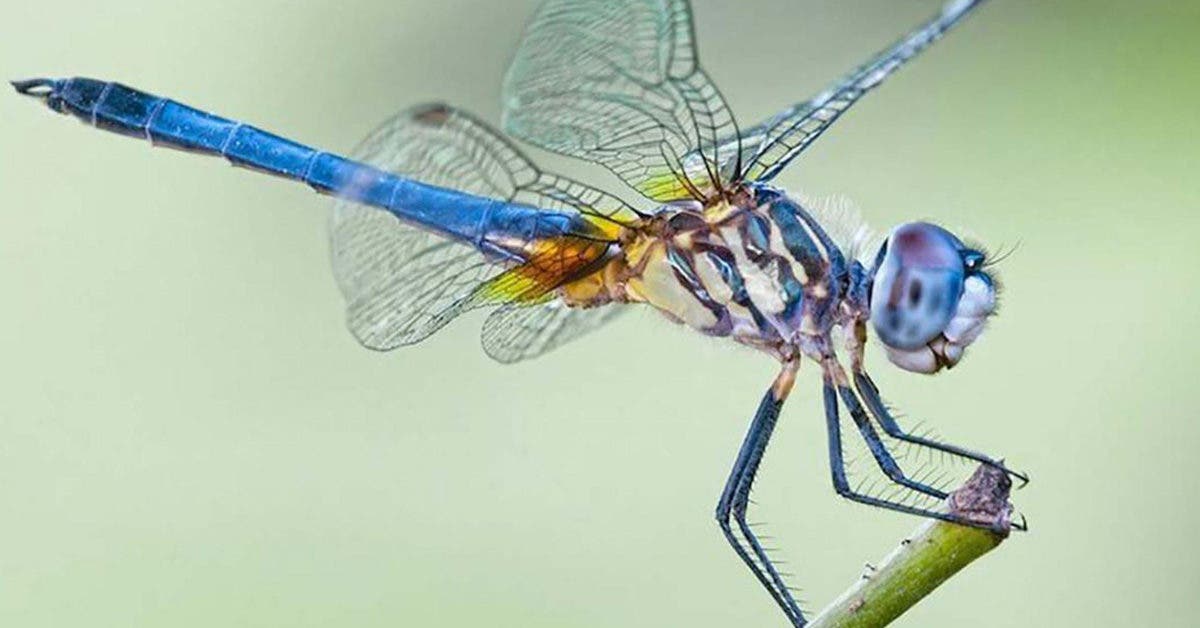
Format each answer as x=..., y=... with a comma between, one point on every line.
x=437, y=213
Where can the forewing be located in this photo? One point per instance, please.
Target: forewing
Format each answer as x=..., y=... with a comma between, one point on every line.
x=617, y=82
x=401, y=283
x=767, y=148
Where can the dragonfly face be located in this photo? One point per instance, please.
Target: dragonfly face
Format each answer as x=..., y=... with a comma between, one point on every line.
x=930, y=297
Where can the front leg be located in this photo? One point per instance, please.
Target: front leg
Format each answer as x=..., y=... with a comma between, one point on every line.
x=883, y=457
x=731, y=508
x=870, y=395
x=837, y=464
x=856, y=339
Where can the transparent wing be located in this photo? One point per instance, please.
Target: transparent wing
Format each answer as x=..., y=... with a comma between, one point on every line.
x=617, y=82
x=513, y=333
x=767, y=148
x=401, y=284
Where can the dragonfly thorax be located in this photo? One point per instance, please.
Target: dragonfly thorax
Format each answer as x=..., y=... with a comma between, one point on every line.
x=758, y=269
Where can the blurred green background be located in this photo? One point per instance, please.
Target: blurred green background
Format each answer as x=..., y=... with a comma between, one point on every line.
x=189, y=437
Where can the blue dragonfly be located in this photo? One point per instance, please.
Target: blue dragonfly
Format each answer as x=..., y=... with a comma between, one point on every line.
x=436, y=214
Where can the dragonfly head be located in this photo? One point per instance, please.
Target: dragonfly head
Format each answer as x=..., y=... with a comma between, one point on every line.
x=930, y=297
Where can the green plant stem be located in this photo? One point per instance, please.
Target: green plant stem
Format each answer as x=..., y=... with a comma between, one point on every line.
x=933, y=553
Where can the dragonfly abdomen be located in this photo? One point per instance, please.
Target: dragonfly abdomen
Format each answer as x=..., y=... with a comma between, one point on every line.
x=499, y=228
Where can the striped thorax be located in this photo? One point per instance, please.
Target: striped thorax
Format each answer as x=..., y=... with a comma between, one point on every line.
x=757, y=268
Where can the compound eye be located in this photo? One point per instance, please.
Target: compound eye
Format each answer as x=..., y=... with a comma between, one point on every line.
x=918, y=283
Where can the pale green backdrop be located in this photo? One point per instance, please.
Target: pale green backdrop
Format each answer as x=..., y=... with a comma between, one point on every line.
x=189, y=437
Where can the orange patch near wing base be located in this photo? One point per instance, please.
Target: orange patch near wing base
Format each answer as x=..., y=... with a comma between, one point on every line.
x=552, y=262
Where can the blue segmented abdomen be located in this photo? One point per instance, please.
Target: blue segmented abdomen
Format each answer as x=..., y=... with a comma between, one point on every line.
x=495, y=226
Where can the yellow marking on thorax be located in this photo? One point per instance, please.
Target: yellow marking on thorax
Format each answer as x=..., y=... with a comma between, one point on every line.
x=719, y=212
x=657, y=285
x=740, y=315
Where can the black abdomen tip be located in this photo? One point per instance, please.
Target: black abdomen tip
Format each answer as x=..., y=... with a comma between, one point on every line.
x=38, y=87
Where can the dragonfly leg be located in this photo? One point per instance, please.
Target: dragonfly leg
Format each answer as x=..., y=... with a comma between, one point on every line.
x=735, y=498
x=870, y=395
x=841, y=484
x=882, y=456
